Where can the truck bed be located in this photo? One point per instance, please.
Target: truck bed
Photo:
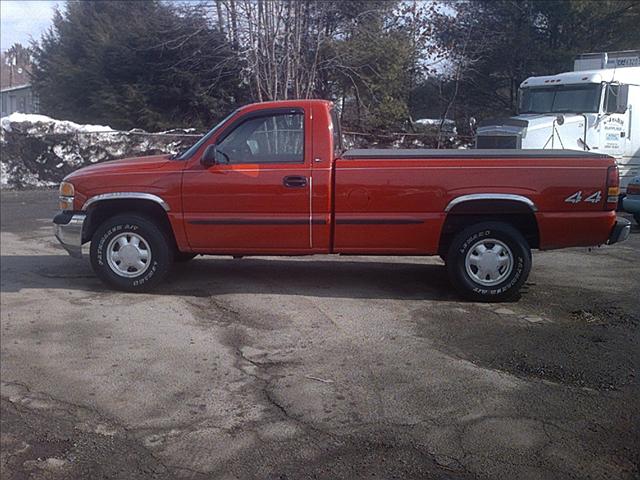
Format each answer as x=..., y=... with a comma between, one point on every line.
x=409, y=192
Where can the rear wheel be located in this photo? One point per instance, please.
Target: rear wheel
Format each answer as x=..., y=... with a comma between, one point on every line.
x=489, y=261
x=130, y=253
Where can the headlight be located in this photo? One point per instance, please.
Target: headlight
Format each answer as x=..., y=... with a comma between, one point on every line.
x=67, y=192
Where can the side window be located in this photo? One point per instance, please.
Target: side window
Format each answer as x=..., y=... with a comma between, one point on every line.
x=611, y=97
x=270, y=139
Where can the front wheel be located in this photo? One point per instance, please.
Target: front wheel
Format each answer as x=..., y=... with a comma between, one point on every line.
x=489, y=261
x=130, y=253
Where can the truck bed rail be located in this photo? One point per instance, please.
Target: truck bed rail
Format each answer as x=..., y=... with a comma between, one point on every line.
x=383, y=153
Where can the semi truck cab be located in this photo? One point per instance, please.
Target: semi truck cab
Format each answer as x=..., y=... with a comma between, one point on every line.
x=594, y=108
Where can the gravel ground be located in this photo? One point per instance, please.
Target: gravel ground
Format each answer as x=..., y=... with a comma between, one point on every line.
x=319, y=367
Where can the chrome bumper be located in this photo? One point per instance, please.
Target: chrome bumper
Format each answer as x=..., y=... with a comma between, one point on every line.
x=620, y=231
x=68, y=230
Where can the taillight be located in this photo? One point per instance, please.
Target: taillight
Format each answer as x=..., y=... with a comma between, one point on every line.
x=633, y=189
x=613, y=184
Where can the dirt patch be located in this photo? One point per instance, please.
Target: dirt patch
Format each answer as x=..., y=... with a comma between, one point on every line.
x=610, y=316
x=38, y=445
x=595, y=348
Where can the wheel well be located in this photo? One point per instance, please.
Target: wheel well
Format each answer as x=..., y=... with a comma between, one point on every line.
x=105, y=209
x=516, y=214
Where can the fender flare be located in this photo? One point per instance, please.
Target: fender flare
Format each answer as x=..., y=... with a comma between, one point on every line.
x=126, y=196
x=491, y=196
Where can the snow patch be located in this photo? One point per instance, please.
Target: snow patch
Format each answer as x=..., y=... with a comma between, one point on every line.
x=40, y=151
x=4, y=174
x=52, y=125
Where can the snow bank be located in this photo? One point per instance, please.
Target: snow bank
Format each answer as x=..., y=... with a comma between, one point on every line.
x=43, y=123
x=40, y=151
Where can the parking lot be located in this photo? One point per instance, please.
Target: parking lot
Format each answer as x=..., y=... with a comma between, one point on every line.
x=317, y=367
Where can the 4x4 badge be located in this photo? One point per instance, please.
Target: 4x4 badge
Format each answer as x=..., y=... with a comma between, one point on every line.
x=577, y=197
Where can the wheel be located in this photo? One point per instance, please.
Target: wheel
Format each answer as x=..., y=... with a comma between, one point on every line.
x=182, y=257
x=636, y=217
x=131, y=253
x=489, y=261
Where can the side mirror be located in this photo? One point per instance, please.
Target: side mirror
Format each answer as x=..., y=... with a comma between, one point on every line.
x=209, y=156
x=623, y=99
x=212, y=155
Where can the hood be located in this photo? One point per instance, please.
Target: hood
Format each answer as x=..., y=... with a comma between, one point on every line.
x=561, y=130
x=526, y=122
x=125, y=165
x=538, y=121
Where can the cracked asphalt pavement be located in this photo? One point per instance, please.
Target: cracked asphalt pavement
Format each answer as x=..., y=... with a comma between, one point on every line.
x=318, y=367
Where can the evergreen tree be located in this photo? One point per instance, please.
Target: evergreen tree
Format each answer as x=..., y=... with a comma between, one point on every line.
x=135, y=64
x=372, y=67
x=494, y=45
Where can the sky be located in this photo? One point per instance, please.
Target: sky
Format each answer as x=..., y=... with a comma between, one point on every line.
x=23, y=20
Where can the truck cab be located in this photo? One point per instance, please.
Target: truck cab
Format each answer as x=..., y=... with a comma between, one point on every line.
x=594, y=108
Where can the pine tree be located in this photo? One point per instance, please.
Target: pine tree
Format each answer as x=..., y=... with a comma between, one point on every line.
x=135, y=64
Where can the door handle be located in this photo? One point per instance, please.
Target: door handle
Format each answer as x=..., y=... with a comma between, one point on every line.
x=294, y=181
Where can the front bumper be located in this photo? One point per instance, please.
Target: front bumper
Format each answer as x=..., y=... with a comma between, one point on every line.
x=67, y=227
x=620, y=231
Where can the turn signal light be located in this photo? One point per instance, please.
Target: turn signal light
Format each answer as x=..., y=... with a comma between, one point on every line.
x=65, y=203
x=66, y=189
x=65, y=200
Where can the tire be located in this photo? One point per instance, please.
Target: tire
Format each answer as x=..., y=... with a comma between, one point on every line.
x=507, y=261
x=181, y=257
x=140, y=232
x=636, y=217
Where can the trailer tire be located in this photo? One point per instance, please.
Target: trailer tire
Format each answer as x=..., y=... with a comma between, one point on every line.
x=489, y=261
x=130, y=253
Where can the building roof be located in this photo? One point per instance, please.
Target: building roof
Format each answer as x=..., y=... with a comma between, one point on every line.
x=17, y=87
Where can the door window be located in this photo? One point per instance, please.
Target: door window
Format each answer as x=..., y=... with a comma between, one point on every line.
x=269, y=139
x=611, y=98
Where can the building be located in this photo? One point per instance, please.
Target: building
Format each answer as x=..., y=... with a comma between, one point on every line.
x=16, y=93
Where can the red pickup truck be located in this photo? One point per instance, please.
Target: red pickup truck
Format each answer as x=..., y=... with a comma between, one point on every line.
x=273, y=179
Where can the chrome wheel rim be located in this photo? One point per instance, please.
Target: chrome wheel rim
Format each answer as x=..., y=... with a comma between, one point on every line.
x=128, y=255
x=489, y=262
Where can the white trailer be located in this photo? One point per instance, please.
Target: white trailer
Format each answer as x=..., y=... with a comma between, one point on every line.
x=596, y=108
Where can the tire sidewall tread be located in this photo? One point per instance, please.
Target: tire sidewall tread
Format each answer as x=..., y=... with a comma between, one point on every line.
x=466, y=239
x=161, y=253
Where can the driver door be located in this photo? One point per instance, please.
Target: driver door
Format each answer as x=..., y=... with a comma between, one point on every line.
x=256, y=198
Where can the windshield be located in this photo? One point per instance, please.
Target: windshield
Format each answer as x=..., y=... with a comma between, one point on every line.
x=194, y=148
x=561, y=99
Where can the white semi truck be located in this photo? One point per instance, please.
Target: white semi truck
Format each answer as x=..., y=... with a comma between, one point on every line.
x=596, y=108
